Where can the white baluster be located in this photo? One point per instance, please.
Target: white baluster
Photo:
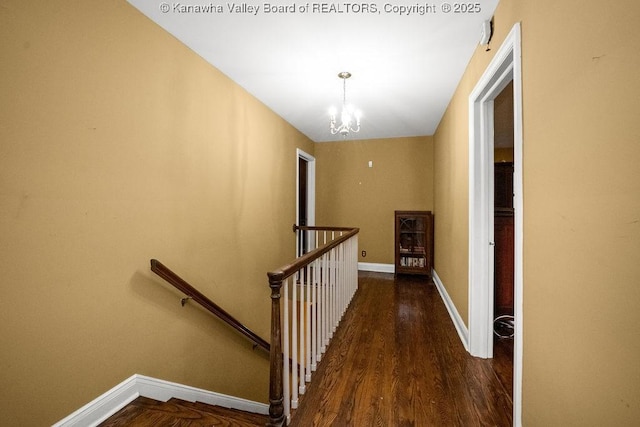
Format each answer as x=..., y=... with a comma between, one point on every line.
x=314, y=316
x=301, y=329
x=347, y=273
x=345, y=283
x=294, y=344
x=340, y=284
x=353, y=266
x=286, y=392
x=341, y=272
x=334, y=287
x=330, y=289
x=307, y=305
x=355, y=263
x=325, y=302
x=338, y=290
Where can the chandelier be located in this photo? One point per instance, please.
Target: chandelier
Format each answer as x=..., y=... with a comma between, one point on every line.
x=349, y=114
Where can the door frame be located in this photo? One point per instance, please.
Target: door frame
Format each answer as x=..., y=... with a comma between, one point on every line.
x=504, y=67
x=311, y=190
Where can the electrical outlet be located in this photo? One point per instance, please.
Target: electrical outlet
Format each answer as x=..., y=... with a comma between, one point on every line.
x=364, y=254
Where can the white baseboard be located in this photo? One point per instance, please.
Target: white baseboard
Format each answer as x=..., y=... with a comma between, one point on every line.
x=165, y=390
x=463, y=332
x=378, y=268
x=101, y=408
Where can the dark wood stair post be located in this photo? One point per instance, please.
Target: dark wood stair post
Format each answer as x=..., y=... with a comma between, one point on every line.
x=276, y=408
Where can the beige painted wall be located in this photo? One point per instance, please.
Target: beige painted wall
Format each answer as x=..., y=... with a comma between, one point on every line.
x=121, y=145
x=581, y=207
x=350, y=193
x=117, y=145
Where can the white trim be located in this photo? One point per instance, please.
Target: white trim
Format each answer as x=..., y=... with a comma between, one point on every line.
x=481, y=238
x=102, y=407
x=518, y=204
x=463, y=332
x=311, y=192
x=504, y=67
x=379, y=268
x=311, y=186
x=165, y=390
x=107, y=404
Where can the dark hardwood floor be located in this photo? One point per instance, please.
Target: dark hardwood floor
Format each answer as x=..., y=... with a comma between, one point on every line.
x=397, y=360
x=145, y=412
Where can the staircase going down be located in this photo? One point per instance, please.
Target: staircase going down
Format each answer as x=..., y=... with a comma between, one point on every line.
x=143, y=412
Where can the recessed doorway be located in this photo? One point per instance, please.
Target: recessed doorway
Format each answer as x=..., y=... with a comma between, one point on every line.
x=503, y=237
x=305, y=198
x=504, y=69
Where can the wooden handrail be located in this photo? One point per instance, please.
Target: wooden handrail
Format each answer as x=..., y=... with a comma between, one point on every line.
x=180, y=284
x=310, y=227
x=288, y=270
x=276, y=279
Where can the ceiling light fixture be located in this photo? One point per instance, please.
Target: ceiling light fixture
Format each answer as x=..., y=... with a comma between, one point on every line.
x=348, y=112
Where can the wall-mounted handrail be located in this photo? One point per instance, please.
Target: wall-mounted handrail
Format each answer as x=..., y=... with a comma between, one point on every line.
x=317, y=287
x=191, y=292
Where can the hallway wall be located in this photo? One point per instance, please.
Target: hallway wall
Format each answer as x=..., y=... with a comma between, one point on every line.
x=352, y=194
x=581, y=207
x=119, y=144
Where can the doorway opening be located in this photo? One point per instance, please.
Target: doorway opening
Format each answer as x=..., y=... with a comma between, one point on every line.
x=305, y=199
x=504, y=70
x=503, y=237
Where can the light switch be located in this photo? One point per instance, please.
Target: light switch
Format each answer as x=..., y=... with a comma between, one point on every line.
x=370, y=163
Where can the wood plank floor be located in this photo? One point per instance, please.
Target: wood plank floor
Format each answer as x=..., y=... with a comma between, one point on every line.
x=145, y=412
x=397, y=360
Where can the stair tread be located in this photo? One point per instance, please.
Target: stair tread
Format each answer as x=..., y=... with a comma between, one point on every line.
x=144, y=412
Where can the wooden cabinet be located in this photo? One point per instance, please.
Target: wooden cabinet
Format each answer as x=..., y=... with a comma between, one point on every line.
x=413, y=242
x=503, y=185
x=503, y=235
x=504, y=258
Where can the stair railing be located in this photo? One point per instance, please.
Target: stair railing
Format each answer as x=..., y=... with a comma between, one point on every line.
x=192, y=293
x=317, y=289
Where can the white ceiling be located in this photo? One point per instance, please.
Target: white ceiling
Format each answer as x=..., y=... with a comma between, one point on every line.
x=405, y=67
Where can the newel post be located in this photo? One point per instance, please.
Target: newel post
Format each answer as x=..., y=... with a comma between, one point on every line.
x=276, y=408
